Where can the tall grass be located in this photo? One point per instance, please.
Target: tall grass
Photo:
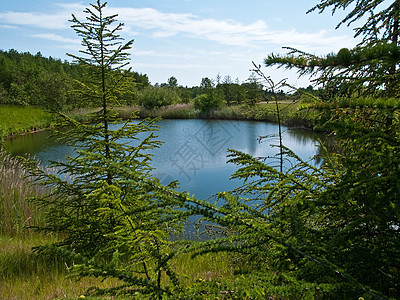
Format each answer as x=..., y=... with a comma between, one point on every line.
x=16, y=212
x=177, y=111
x=25, y=275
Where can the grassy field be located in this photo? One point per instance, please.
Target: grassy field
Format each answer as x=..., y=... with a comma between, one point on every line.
x=24, y=275
x=16, y=212
x=15, y=119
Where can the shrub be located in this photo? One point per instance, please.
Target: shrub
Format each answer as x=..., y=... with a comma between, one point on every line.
x=213, y=99
x=156, y=97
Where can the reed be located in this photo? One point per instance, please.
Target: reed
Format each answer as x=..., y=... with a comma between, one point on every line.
x=17, y=213
x=25, y=275
x=291, y=114
x=177, y=111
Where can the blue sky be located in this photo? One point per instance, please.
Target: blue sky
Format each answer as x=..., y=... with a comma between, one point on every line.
x=187, y=39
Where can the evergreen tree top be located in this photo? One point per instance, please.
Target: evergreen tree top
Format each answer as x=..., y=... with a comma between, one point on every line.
x=381, y=17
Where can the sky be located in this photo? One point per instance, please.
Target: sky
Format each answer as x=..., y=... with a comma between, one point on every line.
x=187, y=39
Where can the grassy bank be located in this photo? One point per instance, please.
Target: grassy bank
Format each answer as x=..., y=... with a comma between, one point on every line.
x=292, y=113
x=25, y=275
x=16, y=119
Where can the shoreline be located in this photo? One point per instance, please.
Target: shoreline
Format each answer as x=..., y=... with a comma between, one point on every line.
x=262, y=112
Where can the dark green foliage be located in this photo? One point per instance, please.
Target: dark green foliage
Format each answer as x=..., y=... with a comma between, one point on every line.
x=172, y=82
x=27, y=79
x=367, y=195
x=254, y=93
x=206, y=84
x=234, y=93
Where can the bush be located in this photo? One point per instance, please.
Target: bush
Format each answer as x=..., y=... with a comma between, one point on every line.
x=156, y=97
x=213, y=99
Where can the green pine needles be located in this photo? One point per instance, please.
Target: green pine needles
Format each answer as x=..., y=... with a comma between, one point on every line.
x=113, y=218
x=369, y=68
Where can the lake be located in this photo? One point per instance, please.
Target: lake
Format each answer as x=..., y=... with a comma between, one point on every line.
x=194, y=151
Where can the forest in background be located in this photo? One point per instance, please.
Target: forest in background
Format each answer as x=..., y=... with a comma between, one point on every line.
x=34, y=80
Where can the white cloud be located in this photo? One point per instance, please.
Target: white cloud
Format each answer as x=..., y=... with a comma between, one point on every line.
x=57, y=38
x=227, y=32
x=71, y=6
x=41, y=20
x=8, y=26
x=58, y=19
x=152, y=53
x=166, y=25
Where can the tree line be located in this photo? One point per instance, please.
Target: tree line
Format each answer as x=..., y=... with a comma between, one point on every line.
x=210, y=94
x=27, y=79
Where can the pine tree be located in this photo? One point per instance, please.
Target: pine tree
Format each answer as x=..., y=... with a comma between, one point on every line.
x=350, y=72
x=112, y=216
x=371, y=67
x=380, y=25
x=324, y=232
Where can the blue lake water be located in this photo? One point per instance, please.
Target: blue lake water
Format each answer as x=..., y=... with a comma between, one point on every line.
x=194, y=151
